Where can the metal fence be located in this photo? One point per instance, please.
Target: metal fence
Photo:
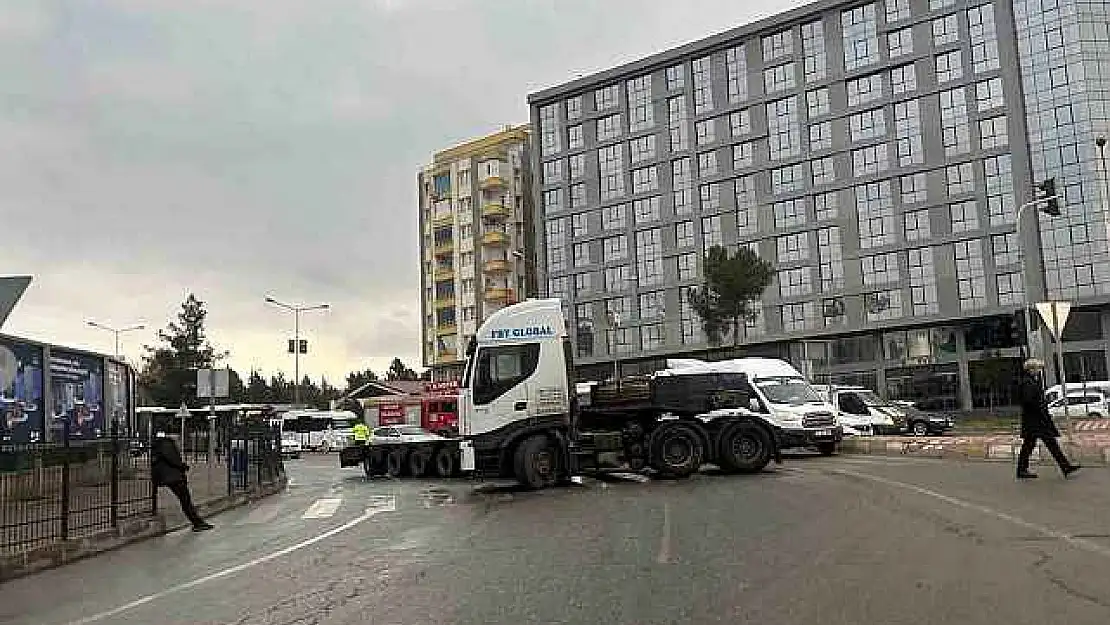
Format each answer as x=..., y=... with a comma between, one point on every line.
x=71, y=489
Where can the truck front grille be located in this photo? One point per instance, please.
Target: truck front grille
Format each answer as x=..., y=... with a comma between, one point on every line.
x=818, y=419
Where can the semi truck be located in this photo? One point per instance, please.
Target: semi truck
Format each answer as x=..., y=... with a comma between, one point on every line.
x=522, y=416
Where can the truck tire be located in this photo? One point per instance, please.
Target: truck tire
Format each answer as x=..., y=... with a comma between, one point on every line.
x=744, y=448
x=676, y=450
x=419, y=460
x=444, y=462
x=826, y=449
x=395, y=463
x=536, y=463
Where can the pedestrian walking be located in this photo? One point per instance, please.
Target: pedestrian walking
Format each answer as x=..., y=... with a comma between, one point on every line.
x=167, y=469
x=1036, y=422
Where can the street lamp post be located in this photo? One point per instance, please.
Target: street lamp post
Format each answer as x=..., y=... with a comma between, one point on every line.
x=116, y=331
x=1027, y=307
x=296, y=310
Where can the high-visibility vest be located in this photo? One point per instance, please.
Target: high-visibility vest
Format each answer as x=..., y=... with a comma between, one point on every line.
x=361, y=432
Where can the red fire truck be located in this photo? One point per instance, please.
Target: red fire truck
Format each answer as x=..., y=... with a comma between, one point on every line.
x=438, y=409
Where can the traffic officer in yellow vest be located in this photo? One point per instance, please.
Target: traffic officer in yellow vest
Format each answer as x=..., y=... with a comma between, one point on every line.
x=361, y=433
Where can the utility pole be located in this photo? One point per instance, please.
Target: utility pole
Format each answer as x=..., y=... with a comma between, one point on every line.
x=1049, y=205
x=115, y=331
x=296, y=346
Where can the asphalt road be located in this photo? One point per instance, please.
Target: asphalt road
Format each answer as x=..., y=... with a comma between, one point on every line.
x=834, y=540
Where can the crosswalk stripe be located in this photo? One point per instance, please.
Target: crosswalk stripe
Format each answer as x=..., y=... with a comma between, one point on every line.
x=322, y=509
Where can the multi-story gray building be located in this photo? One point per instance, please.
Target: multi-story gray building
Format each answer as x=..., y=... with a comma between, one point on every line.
x=877, y=154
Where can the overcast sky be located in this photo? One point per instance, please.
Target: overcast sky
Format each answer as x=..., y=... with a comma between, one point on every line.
x=239, y=148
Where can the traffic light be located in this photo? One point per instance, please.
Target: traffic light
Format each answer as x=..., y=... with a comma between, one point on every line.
x=1051, y=206
x=304, y=346
x=292, y=346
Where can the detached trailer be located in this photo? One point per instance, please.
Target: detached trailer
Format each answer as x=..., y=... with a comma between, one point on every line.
x=523, y=418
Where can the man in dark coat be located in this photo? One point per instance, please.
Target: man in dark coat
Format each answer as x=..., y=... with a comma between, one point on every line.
x=1036, y=422
x=169, y=470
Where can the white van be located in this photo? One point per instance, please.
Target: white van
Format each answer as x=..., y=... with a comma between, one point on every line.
x=1054, y=392
x=783, y=397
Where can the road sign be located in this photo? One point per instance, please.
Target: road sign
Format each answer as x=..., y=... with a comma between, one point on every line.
x=212, y=383
x=11, y=289
x=1054, y=315
x=183, y=411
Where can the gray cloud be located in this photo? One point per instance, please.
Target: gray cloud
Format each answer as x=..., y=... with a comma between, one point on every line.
x=154, y=147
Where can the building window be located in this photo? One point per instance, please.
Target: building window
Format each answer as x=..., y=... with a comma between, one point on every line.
x=552, y=172
x=954, y=122
x=916, y=225
x=583, y=283
x=783, y=128
x=820, y=136
x=676, y=77
x=579, y=225
x=779, y=78
x=789, y=214
x=741, y=155
x=964, y=216
x=578, y=195
x=875, y=214
x=946, y=30
x=795, y=282
x=607, y=97
x=913, y=189
x=830, y=258
x=814, y=57
x=746, y=207
x=778, y=45
x=903, y=79
x=736, y=66
x=574, y=108
x=682, y=182
x=707, y=164
x=705, y=131
x=609, y=127
x=984, y=38
x=870, y=160
x=618, y=279
x=646, y=210
x=651, y=336
x=1005, y=249
x=949, y=66
x=678, y=126
x=825, y=206
x=559, y=287
x=971, y=278
x=880, y=269
x=645, y=179
x=818, y=103
x=907, y=133
x=923, y=282
x=552, y=201
x=1011, y=291
x=641, y=116
x=611, y=171
x=883, y=305
x=649, y=252
x=989, y=95
x=687, y=265
x=960, y=178
x=787, y=179
x=992, y=133
x=999, y=183
x=684, y=234
x=711, y=231
x=710, y=196
x=865, y=89
x=614, y=217
x=897, y=10
x=577, y=166
x=556, y=244
x=867, y=125
x=740, y=122
x=642, y=149
x=703, y=86
x=614, y=248
x=823, y=170
x=861, y=37
x=574, y=137
x=581, y=254
x=549, y=129
x=792, y=247
x=900, y=42
x=690, y=322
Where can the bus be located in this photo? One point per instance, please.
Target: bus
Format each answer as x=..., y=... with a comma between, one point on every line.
x=319, y=430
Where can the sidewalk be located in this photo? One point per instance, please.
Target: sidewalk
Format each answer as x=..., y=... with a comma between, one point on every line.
x=1091, y=448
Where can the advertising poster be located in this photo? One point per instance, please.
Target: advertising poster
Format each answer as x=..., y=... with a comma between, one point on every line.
x=118, y=399
x=76, y=385
x=21, y=397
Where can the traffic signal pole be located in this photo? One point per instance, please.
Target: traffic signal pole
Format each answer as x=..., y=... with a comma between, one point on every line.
x=1051, y=207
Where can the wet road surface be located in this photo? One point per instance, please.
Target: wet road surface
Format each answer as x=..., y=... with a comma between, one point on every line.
x=844, y=540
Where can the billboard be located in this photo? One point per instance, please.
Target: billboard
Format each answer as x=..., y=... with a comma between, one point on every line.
x=76, y=386
x=21, y=396
x=119, y=396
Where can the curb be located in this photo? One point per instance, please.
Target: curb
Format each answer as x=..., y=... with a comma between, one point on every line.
x=129, y=532
x=985, y=451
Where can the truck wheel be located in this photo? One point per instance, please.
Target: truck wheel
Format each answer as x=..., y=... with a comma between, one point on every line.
x=919, y=428
x=445, y=462
x=826, y=449
x=418, y=463
x=536, y=463
x=745, y=448
x=676, y=450
x=395, y=463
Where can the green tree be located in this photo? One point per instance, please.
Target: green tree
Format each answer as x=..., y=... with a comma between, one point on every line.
x=356, y=379
x=400, y=371
x=733, y=284
x=169, y=369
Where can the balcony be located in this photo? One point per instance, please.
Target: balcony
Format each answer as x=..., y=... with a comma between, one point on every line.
x=496, y=265
x=444, y=301
x=492, y=182
x=444, y=247
x=447, y=329
x=444, y=273
x=495, y=238
x=443, y=219
x=447, y=355
x=495, y=210
x=499, y=294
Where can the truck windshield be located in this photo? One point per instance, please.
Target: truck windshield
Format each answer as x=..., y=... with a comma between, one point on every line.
x=787, y=390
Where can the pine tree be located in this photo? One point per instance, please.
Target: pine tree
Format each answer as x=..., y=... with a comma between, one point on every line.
x=733, y=286
x=169, y=369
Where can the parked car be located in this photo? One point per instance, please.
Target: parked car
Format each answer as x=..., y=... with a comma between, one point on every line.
x=1091, y=404
x=290, y=446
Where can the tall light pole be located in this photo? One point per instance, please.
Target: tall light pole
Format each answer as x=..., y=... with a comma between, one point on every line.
x=296, y=310
x=116, y=331
x=1050, y=206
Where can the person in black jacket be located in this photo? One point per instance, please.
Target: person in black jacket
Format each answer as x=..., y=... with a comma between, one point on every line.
x=168, y=470
x=1036, y=422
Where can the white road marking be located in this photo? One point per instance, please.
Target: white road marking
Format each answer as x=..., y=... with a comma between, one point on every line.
x=1043, y=530
x=322, y=509
x=239, y=568
x=664, y=556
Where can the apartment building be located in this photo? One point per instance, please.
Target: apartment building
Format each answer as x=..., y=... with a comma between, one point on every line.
x=877, y=153
x=475, y=241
